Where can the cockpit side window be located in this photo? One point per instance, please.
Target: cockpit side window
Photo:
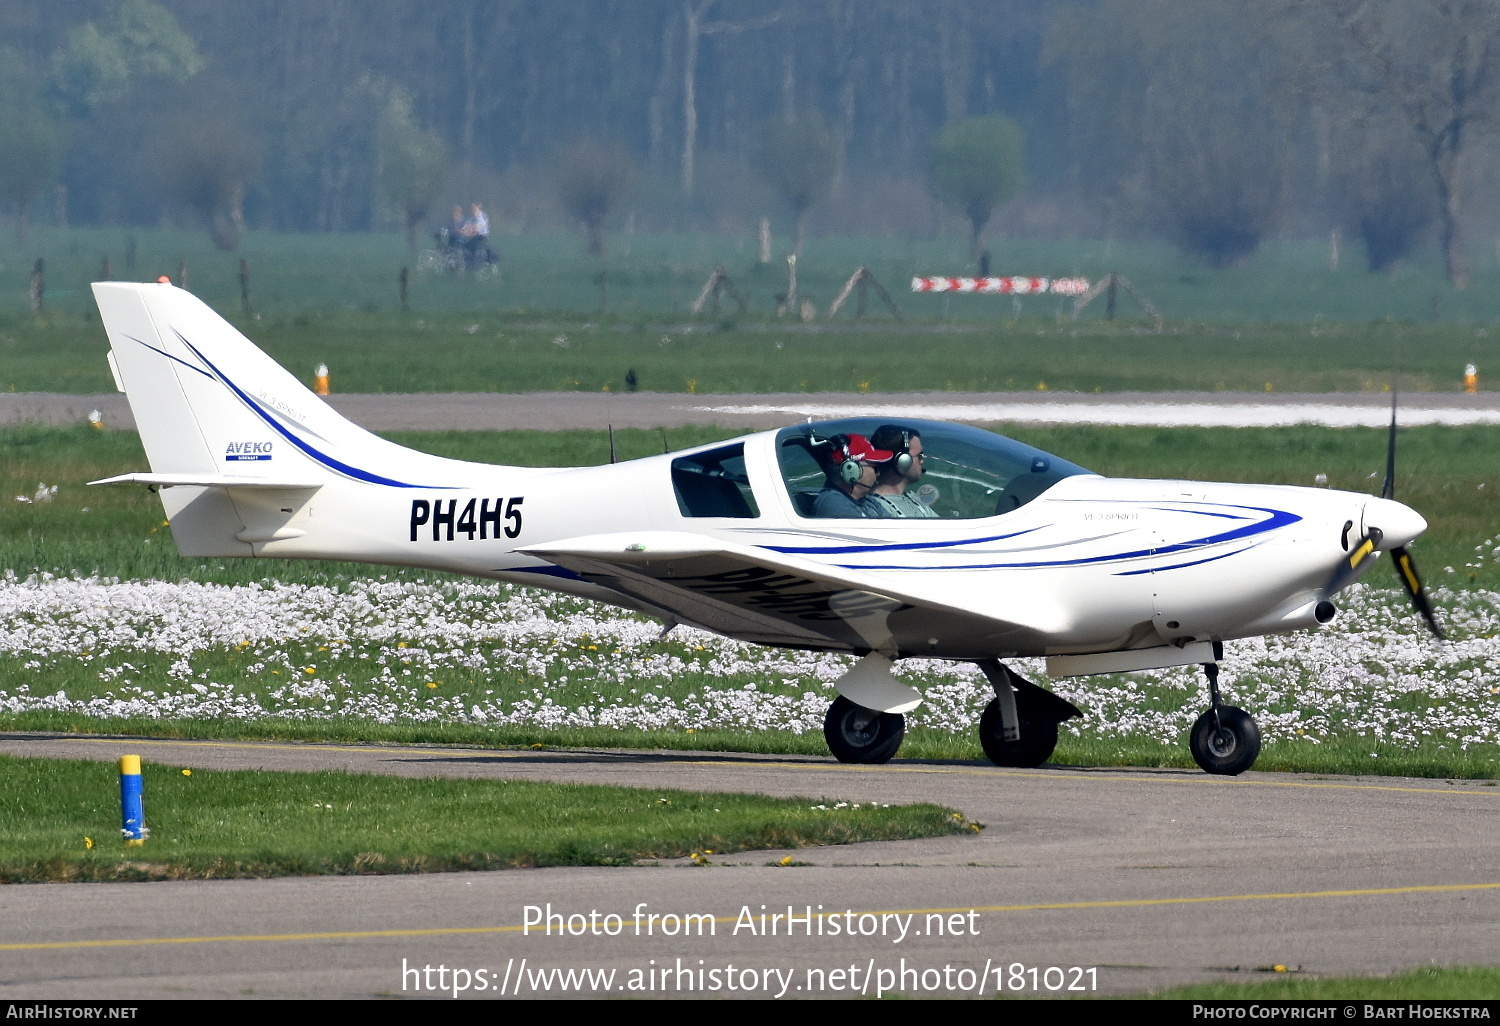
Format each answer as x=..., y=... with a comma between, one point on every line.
x=714, y=484
x=800, y=469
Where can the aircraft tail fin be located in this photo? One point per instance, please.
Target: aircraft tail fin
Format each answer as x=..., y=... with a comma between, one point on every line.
x=213, y=409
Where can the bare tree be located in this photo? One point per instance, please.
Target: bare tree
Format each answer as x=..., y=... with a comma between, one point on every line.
x=694, y=15
x=593, y=179
x=1381, y=191
x=1435, y=64
x=31, y=155
x=207, y=164
x=1173, y=105
x=413, y=165
x=800, y=158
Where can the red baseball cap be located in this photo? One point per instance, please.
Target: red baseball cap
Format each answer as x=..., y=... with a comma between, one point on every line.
x=860, y=449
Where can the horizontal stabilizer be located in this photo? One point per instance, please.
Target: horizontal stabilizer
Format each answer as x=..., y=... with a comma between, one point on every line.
x=206, y=481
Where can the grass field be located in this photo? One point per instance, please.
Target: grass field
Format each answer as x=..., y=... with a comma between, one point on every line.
x=124, y=635
x=1436, y=984
x=1286, y=323
x=59, y=820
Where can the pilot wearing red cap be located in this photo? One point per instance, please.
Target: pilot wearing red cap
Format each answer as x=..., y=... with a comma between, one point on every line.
x=852, y=465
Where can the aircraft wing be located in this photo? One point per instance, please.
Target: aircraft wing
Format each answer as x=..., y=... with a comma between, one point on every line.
x=769, y=597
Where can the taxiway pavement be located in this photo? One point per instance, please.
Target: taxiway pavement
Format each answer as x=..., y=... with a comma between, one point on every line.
x=1147, y=877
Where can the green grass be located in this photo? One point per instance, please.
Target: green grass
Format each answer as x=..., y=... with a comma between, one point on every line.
x=1286, y=320
x=661, y=274
x=1436, y=984
x=1447, y=474
x=243, y=823
x=505, y=352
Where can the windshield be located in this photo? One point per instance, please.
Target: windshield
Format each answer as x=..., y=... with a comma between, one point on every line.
x=958, y=473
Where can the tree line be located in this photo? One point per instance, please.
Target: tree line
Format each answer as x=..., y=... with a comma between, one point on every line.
x=1212, y=124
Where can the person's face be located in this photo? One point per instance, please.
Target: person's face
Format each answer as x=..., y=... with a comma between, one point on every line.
x=867, y=476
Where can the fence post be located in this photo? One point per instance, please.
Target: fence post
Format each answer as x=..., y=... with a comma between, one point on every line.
x=245, y=287
x=37, y=290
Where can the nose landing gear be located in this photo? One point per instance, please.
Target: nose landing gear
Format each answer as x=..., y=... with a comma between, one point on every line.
x=1225, y=740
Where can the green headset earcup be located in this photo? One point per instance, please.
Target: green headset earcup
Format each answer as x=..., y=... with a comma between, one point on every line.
x=849, y=471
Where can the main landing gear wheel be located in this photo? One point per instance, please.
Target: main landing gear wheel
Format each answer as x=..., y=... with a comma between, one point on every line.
x=857, y=734
x=1038, y=735
x=1229, y=746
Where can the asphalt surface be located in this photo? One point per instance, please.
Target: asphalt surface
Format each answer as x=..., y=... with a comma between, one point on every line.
x=557, y=410
x=1139, y=878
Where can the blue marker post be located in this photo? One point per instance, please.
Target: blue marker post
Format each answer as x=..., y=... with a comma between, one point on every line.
x=132, y=816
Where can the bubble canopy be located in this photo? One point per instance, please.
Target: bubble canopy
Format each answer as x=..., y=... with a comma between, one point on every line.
x=966, y=473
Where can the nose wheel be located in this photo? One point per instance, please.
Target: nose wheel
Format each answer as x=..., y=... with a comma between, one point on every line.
x=1225, y=740
x=857, y=734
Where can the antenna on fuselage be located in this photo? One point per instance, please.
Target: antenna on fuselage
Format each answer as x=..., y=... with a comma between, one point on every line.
x=612, y=443
x=1388, y=488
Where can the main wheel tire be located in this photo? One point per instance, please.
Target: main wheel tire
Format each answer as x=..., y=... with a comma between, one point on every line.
x=1231, y=748
x=1038, y=735
x=857, y=734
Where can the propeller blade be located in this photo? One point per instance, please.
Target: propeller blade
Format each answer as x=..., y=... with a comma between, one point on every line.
x=1407, y=571
x=1354, y=564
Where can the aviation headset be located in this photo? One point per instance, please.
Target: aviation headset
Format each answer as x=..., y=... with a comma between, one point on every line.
x=902, y=461
x=848, y=467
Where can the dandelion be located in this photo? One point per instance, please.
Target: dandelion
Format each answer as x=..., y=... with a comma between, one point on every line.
x=187, y=772
x=88, y=842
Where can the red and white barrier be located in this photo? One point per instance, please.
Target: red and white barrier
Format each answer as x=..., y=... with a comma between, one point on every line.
x=995, y=286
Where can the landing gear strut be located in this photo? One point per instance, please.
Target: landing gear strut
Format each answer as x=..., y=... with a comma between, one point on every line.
x=1225, y=740
x=857, y=734
x=1019, y=726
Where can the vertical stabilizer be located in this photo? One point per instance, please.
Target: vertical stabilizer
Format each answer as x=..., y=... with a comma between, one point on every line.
x=209, y=404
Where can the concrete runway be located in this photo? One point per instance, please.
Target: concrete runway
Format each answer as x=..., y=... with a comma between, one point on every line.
x=1145, y=877
x=549, y=411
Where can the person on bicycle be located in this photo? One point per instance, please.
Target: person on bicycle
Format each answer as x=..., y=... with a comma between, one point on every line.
x=476, y=237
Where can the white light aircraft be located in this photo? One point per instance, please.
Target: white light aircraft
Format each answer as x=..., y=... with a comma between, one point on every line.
x=1020, y=553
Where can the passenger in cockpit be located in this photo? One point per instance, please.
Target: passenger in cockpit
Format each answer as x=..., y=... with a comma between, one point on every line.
x=898, y=477
x=851, y=464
